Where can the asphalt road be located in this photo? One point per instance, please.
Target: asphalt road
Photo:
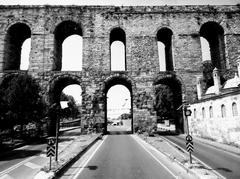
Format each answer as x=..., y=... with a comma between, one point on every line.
x=120, y=156
x=225, y=163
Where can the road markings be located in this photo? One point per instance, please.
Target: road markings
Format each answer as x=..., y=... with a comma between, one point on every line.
x=140, y=143
x=85, y=162
x=214, y=171
x=16, y=166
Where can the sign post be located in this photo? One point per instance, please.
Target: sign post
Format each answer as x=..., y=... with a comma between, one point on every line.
x=51, y=149
x=189, y=146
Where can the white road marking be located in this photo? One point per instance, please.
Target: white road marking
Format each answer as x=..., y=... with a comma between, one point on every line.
x=214, y=171
x=85, y=162
x=32, y=165
x=16, y=166
x=135, y=137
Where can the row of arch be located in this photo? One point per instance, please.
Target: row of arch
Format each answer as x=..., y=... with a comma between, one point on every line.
x=59, y=82
x=211, y=33
x=234, y=110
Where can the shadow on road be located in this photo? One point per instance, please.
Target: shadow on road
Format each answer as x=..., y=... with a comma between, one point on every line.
x=16, y=154
x=118, y=132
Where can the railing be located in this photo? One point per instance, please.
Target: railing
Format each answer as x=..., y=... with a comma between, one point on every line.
x=70, y=123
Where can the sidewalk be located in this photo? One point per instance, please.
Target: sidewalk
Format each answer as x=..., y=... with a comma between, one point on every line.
x=70, y=149
x=181, y=157
x=71, y=145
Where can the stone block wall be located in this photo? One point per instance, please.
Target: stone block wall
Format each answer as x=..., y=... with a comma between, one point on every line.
x=140, y=25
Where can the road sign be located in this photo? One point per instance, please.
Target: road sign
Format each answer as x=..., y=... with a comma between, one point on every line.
x=189, y=138
x=51, y=141
x=188, y=112
x=189, y=146
x=50, y=151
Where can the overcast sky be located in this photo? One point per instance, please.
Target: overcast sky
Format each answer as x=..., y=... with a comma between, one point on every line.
x=119, y=2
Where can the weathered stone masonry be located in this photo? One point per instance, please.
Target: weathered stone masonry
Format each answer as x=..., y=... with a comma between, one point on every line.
x=140, y=25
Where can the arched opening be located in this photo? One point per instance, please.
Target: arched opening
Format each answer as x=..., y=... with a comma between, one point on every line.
x=118, y=102
x=65, y=97
x=119, y=109
x=214, y=34
x=223, y=111
x=164, y=38
x=168, y=101
x=206, y=54
x=73, y=43
x=70, y=102
x=118, y=50
x=234, y=109
x=72, y=53
x=17, y=47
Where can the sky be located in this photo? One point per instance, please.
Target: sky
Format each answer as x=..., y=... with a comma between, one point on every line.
x=119, y=2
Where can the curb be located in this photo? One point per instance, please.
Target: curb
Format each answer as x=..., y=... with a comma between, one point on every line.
x=63, y=168
x=187, y=169
x=175, y=160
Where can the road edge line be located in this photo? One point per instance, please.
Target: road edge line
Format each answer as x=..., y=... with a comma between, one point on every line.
x=203, y=163
x=153, y=155
x=88, y=159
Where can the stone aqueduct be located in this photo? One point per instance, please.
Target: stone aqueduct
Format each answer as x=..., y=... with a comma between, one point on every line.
x=139, y=28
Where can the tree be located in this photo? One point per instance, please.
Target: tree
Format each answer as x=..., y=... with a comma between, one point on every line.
x=23, y=100
x=164, y=101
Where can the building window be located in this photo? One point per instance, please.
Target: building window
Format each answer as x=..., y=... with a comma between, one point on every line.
x=210, y=112
x=234, y=109
x=203, y=112
x=223, y=111
x=195, y=113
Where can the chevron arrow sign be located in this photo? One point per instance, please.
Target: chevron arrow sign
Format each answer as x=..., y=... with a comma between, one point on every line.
x=50, y=151
x=190, y=146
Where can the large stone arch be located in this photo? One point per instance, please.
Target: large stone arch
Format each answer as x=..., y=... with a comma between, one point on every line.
x=17, y=33
x=58, y=83
x=118, y=79
x=178, y=90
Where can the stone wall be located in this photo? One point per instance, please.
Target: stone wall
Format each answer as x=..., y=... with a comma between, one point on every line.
x=222, y=129
x=140, y=25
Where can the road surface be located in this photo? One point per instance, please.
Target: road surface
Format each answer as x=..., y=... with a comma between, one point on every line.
x=118, y=157
x=225, y=163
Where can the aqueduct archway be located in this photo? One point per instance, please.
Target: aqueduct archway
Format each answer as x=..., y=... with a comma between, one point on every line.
x=139, y=30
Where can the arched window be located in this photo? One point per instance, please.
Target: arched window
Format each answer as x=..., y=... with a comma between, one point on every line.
x=194, y=113
x=213, y=33
x=17, y=47
x=118, y=50
x=68, y=39
x=223, y=111
x=164, y=39
x=203, y=112
x=210, y=112
x=234, y=109
x=206, y=55
x=72, y=53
